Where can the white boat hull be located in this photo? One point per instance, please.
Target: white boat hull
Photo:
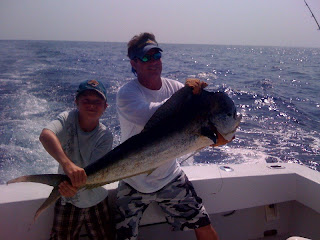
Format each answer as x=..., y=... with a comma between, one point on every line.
x=251, y=202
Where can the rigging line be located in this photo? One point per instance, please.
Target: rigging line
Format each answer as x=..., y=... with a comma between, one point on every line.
x=312, y=14
x=191, y=155
x=221, y=178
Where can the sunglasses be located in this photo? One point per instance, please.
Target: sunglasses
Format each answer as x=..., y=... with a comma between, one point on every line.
x=147, y=58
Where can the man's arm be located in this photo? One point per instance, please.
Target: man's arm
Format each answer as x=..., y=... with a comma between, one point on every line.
x=53, y=146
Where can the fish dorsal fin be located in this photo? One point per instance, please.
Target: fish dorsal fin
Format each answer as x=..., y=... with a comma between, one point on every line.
x=170, y=109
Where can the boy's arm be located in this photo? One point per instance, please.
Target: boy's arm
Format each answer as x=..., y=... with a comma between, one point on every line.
x=53, y=146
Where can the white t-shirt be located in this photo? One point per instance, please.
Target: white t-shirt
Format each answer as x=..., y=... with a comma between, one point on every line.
x=82, y=148
x=135, y=106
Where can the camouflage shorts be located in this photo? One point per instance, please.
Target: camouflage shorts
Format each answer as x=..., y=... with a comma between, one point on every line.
x=182, y=207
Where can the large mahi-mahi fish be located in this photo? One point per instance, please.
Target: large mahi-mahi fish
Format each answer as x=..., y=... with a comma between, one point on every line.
x=185, y=123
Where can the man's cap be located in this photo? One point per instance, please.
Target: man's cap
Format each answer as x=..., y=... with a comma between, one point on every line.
x=92, y=85
x=141, y=50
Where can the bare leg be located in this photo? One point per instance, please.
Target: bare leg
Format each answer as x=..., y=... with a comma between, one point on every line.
x=206, y=233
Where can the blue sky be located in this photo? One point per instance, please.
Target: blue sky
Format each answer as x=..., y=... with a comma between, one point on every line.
x=235, y=22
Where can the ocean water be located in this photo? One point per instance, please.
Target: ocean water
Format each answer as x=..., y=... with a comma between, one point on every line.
x=275, y=88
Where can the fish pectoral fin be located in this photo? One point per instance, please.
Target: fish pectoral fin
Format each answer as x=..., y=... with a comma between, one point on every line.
x=53, y=197
x=149, y=172
x=207, y=132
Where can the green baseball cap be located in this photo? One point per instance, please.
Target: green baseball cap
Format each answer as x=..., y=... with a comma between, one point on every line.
x=92, y=85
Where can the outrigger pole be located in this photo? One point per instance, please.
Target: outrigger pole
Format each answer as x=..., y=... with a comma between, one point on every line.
x=312, y=14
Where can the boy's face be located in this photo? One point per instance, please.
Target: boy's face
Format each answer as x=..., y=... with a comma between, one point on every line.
x=91, y=105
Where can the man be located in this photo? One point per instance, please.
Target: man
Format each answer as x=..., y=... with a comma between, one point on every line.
x=167, y=185
x=76, y=139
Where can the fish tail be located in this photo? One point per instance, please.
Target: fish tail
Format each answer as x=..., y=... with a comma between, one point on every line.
x=49, y=179
x=53, y=197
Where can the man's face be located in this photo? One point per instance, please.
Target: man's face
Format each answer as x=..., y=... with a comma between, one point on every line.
x=91, y=105
x=149, y=69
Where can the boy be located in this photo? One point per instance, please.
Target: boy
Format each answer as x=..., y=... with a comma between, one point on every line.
x=75, y=139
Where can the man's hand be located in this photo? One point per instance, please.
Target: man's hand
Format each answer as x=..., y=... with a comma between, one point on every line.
x=76, y=174
x=67, y=190
x=220, y=140
x=196, y=85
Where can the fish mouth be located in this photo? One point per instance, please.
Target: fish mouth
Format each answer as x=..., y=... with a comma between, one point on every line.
x=232, y=132
x=229, y=135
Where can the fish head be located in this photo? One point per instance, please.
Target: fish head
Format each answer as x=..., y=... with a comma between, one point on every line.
x=223, y=114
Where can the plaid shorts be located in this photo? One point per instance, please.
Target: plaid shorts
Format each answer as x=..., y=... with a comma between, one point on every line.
x=182, y=207
x=69, y=219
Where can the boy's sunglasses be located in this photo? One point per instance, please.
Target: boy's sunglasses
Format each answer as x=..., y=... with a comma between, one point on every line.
x=147, y=58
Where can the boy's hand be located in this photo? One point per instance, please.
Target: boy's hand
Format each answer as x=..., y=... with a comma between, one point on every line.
x=196, y=85
x=76, y=174
x=67, y=190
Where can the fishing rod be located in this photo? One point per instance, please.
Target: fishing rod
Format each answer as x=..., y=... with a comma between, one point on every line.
x=312, y=14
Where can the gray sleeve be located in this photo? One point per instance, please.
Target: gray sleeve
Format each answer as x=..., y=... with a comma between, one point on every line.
x=57, y=126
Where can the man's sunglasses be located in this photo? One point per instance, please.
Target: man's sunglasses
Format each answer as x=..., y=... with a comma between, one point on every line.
x=147, y=58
